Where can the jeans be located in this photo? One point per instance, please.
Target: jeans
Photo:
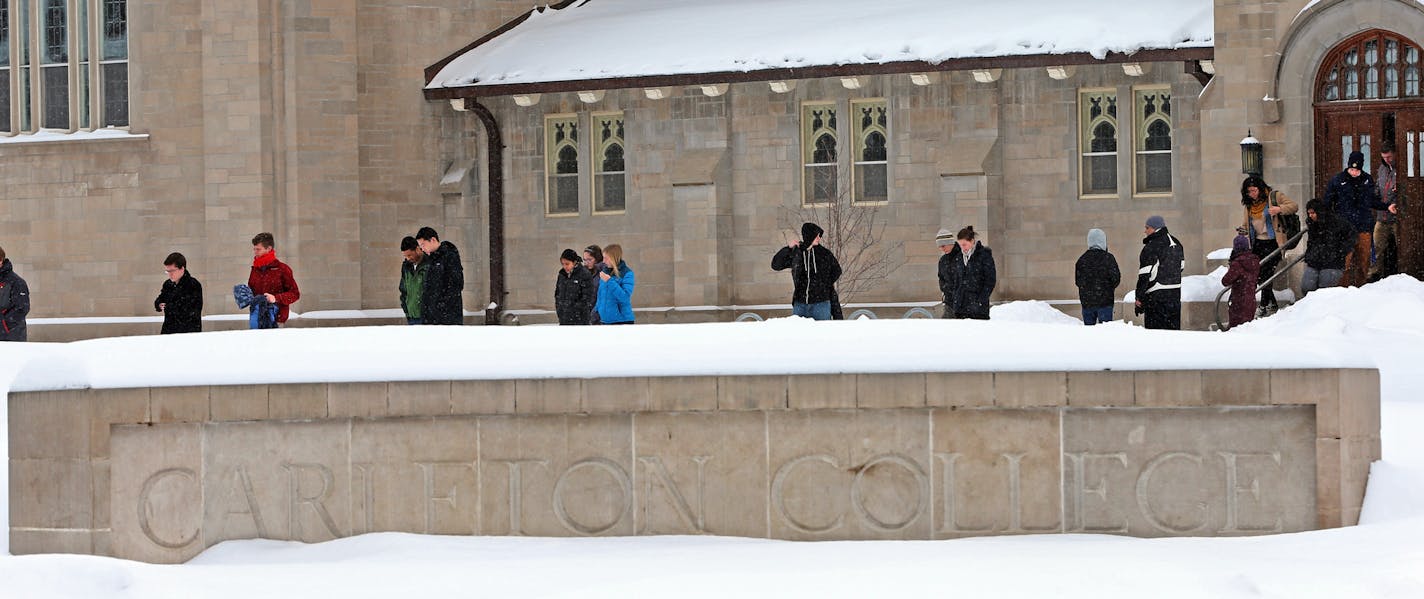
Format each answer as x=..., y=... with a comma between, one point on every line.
x=1319, y=279
x=816, y=311
x=410, y=320
x=1092, y=316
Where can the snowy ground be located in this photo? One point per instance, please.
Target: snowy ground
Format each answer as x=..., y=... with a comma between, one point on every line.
x=1381, y=324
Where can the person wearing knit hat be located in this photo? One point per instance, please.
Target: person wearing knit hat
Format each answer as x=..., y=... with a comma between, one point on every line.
x=1159, y=277
x=1352, y=195
x=814, y=272
x=948, y=271
x=1241, y=277
x=1097, y=277
x=574, y=290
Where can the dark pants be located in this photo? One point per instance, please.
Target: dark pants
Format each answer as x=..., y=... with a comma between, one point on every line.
x=1262, y=248
x=1163, y=310
x=409, y=320
x=1357, y=266
x=1386, y=251
x=1092, y=316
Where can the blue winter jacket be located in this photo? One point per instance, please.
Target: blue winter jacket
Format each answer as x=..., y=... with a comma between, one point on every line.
x=615, y=296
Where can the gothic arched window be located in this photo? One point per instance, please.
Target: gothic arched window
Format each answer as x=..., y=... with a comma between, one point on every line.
x=1097, y=115
x=1153, y=168
x=610, y=175
x=561, y=153
x=819, y=141
x=1374, y=65
x=871, y=173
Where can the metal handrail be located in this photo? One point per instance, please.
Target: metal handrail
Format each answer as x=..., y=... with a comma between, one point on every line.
x=1290, y=243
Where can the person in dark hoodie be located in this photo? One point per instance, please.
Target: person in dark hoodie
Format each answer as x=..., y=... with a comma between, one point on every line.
x=14, y=302
x=814, y=271
x=1159, y=277
x=271, y=278
x=444, y=286
x=1328, y=243
x=976, y=277
x=1351, y=194
x=181, y=299
x=949, y=262
x=1097, y=277
x=1242, y=277
x=574, y=292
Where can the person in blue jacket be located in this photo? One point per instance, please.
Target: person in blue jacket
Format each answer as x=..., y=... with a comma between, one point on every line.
x=615, y=289
x=1351, y=195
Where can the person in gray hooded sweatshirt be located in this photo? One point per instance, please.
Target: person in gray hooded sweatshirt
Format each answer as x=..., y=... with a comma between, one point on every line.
x=1097, y=277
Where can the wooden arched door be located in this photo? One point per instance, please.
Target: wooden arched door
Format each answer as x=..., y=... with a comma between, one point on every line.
x=1370, y=92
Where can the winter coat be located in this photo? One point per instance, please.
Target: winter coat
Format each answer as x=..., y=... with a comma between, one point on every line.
x=412, y=286
x=443, y=300
x=270, y=275
x=975, y=282
x=1097, y=277
x=615, y=296
x=1272, y=223
x=14, y=304
x=1241, y=277
x=814, y=272
x=261, y=313
x=1354, y=199
x=1159, y=280
x=183, y=305
x=1329, y=242
x=574, y=295
x=1387, y=186
x=949, y=265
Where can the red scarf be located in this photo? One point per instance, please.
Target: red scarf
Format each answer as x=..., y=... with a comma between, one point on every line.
x=264, y=259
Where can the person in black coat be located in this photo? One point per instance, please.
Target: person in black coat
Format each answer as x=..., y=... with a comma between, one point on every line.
x=1352, y=195
x=1329, y=242
x=574, y=291
x=949, y=261
x=1097, y=277
x=14, y=302
x=814, y=271
x=1159, y=278
x=974, y=278
x=181, y=299
x=444, y=287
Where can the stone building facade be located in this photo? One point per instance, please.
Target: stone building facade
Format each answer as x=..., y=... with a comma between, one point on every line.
x=307, y=119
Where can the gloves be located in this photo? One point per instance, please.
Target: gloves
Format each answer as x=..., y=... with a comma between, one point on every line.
x=1137, y=309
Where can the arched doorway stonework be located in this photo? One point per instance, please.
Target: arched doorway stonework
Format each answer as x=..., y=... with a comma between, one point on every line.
x=1317, y=127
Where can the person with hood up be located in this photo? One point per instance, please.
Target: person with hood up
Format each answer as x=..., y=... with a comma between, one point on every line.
x=1159, y=277
x=1242, y=277
x=1351, y=195
x=814, y=272
x=949, y=262
x=271, y=278
x=14, y=302
x=615, y=288
x=181, y=298
x=1328, y=244
x=1097, y=277
x=574, y=292
x=976, y=277
x=443, y=290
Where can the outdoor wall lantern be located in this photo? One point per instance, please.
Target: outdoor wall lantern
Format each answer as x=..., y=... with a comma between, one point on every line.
x=1252, y=156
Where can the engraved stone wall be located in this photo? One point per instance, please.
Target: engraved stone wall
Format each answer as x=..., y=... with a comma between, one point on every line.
x=161, y=474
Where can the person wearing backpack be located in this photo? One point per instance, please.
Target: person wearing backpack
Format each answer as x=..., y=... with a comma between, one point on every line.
x=1269, y=221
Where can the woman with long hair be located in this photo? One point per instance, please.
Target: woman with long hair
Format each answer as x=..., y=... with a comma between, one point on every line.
x=615, y=291
x=1263, y=208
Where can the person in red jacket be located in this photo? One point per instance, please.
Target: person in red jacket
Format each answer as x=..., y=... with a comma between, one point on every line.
x=271, y=277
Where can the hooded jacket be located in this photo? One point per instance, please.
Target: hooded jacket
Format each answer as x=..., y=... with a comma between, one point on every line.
x=183, y=305
x=443, y=295
x=1330, y=239
x=1096, y=273
x=975, y=283
x=270, y=275
x=574, y=295
x=814, y=269
x=14, y=304
x=1241, y=277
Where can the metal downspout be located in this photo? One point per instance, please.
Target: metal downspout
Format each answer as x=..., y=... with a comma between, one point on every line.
x=495, y=151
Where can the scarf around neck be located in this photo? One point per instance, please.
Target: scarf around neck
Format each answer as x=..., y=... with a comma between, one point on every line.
x=264, y=259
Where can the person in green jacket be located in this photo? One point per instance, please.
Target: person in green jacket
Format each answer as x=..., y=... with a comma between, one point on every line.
x=412, y=281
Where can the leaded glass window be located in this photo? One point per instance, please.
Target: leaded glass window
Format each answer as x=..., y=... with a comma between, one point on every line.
x=47, y=73
x=1375, y=65
x=871, y=165
x=610, y=173
x=1154, y=140
x=562, y=163
x=1098, y=134
x=819, y=149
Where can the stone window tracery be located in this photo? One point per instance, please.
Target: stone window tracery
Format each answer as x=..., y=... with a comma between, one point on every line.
x=1153, y=168
x=871, y=173
x=610, y=172
x=820, y=156
x=561, y=153
x=1098, y=138
x=46, y=67
x=1375, y=65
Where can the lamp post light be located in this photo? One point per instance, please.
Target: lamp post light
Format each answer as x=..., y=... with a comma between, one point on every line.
x=1252, y=156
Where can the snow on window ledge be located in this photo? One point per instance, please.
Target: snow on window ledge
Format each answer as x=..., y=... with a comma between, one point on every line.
x=107, y=134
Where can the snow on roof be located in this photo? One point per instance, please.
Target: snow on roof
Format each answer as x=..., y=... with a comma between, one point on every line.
x=603, y=39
